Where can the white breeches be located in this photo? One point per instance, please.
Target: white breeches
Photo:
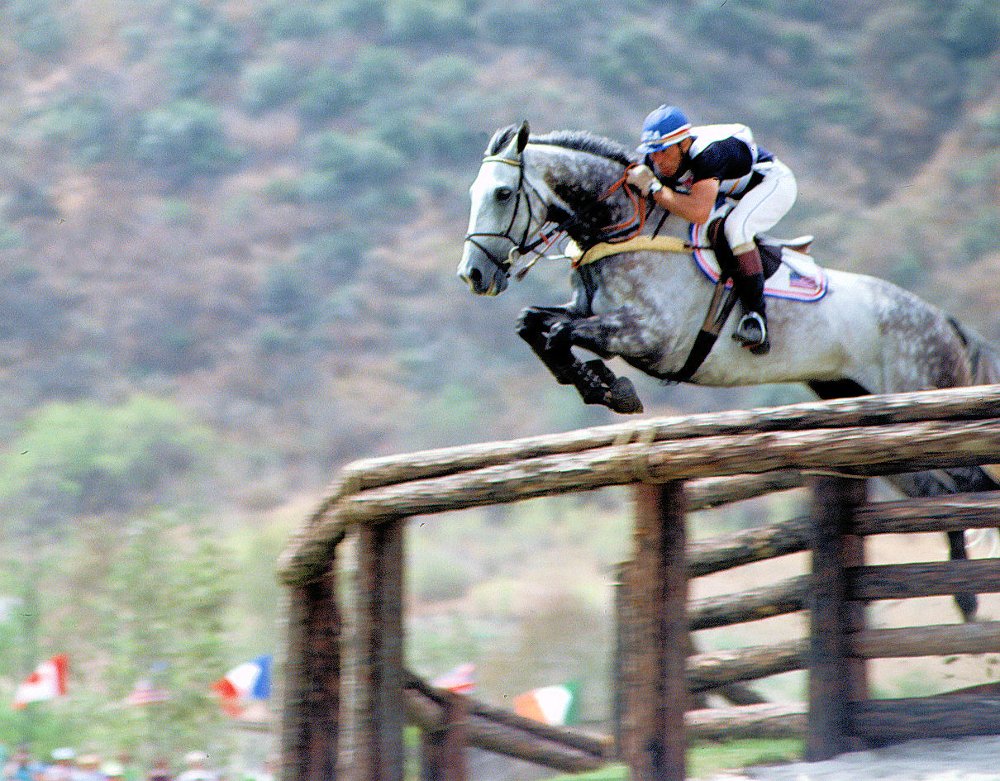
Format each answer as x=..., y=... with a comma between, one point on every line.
x=762, y=207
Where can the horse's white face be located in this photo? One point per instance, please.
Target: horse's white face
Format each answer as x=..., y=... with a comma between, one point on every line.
x=500, y=220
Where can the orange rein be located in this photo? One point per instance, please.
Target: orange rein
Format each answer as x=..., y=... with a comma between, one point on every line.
x=639, y=216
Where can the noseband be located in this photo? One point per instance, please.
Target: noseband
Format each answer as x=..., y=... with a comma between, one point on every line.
x=622, y=231
x=522, y=247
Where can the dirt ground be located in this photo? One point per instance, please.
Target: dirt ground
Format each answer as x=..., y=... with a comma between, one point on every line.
x=968, y=759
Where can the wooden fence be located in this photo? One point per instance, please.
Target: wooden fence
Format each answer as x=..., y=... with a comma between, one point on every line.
x=676, y=465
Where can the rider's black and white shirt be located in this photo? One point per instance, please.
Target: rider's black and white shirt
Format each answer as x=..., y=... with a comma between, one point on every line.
x=724, y=152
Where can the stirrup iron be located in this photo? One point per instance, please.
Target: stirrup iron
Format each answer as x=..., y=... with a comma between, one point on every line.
x=751, y=332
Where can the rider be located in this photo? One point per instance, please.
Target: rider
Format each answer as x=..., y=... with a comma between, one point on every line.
x=689, y=170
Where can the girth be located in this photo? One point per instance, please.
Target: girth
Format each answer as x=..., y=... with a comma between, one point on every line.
x=723, y=299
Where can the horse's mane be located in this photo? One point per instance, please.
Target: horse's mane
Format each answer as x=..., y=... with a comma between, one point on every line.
x=580, y=140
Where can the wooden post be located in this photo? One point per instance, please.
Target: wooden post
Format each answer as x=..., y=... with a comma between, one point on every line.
x=656, y=692
x=311, y=717
x=444, y=750
x=835, y=678
x=381, y=708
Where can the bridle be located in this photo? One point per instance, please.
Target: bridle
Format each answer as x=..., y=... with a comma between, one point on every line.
x=521, y=247
x=620, y=232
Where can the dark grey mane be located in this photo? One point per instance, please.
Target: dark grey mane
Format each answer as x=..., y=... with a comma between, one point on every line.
x=580, y=140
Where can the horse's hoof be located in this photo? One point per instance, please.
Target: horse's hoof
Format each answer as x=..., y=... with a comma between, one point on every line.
x=621, y=397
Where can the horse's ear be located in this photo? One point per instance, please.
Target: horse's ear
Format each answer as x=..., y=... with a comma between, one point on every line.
x=522, y=136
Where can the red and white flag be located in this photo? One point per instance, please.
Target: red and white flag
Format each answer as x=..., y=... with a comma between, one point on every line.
x=461, y=680
x=47, y=682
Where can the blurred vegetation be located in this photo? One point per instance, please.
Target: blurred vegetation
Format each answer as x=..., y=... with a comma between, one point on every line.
x=228, y=235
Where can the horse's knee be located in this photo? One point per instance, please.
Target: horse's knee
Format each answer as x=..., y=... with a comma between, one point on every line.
x=532, y=322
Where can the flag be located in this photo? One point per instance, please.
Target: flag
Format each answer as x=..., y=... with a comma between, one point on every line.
x=247, y=681
x=554, y=705
x=47, y=682
x=145, y=693
x=461, y=680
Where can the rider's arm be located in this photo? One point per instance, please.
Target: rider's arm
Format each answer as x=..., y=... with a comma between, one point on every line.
x=694, y=206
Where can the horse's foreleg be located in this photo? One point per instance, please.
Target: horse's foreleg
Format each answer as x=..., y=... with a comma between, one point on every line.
x=533, y=325
x=598, y=384
x=547, y=330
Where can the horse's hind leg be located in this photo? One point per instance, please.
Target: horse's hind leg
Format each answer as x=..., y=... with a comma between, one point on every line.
x=967, y=603
x=941, y=483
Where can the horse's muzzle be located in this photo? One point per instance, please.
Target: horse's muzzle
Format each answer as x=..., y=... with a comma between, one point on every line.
x=491, y=282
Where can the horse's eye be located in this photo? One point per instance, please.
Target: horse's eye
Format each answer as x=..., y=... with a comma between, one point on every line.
x=503, y=194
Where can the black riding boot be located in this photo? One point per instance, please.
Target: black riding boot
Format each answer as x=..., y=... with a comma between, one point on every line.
x=751, y=331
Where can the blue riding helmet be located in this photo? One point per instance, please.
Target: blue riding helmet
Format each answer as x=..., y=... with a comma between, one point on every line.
x=664, y=126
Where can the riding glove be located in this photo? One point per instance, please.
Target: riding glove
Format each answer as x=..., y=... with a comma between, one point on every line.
x=643, y=179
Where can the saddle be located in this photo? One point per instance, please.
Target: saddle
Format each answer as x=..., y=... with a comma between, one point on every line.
x=770, y=248
x=773, y=260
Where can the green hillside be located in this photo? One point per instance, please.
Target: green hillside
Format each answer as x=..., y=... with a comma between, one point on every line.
x=229, y=233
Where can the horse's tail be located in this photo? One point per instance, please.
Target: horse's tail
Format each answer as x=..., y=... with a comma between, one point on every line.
x=984, y=358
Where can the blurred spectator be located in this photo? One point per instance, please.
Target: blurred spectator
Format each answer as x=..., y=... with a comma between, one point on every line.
x=129, y=770
x=113, y=771
x=196, y=768
x=20, y=767
x=61, y=768
x=88, y=768
x=160, y=771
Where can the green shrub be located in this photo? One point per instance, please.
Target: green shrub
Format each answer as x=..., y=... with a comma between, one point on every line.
x=287, y=291
x=87, y=458
x=378, y=71
x=85, y=124
x=286, y=21
x=426, y=21
x=326, y=92
x=35, y=26
x=335, y=257
x=266, y=86
x=10, y=237
x=182, y=140
x=202, y=47
x=931, y=79
x=973, y=27
x=632, y=54
x=343, y=162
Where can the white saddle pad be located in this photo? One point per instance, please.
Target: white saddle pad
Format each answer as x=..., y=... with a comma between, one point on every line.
x=798, y=278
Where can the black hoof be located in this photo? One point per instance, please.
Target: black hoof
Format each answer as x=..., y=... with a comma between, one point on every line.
x=621, y=397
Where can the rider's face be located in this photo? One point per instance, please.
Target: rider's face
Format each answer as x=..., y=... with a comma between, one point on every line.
x=668, y=160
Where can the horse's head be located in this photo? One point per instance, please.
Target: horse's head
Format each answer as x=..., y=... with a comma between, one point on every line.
x=501, y=218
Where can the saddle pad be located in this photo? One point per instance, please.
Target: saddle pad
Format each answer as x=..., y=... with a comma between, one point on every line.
x=798, y=278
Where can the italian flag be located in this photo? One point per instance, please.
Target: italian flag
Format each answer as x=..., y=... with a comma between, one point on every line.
x=47, y=682
x=554, y=705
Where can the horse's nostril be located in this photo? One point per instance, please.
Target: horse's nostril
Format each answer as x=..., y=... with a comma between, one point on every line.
x=476, y=277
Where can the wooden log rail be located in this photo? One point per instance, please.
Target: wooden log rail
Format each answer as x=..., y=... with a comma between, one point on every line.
x=681, y=464
x=502, y=732
x=876, y=434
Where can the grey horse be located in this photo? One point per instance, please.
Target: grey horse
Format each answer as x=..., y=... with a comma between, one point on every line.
x=648, y=307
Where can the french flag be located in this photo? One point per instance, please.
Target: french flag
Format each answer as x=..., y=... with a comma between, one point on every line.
x=47, y=682
x=247, y=681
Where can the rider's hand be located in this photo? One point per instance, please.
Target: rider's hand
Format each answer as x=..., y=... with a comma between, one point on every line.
x=643, y=179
